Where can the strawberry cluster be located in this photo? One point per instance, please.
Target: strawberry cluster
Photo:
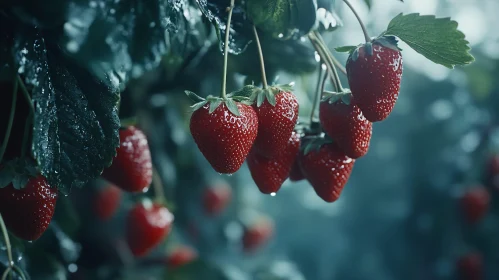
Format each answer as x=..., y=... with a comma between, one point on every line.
x=260, y=131
x=260, y=126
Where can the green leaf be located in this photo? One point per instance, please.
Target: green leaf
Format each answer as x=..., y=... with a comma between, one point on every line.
x=198, y=105
x=246, y=91
x=130, y=35
x=328, y=20
x=283, y=18
x=194, y=97
x=435, y=38
x=260, y=98
x=75, y=131
x=270, y=97
x=214, y=105
x=347, y=49
x=231, y=105
x=285, y=87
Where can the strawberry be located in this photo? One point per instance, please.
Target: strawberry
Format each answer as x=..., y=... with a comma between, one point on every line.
x=277, y=113
x=343, y=121
x=296, y=174
x=470, y=267
x=107, y=201
x=223, y=136
x=180, y=256
x=131, y=169
x=216, y=198
x=327, y=169
x=147, y=225
x=475, y=204
x=27, y=212
x=374, y=73
x=257, y=235
x=270, y=173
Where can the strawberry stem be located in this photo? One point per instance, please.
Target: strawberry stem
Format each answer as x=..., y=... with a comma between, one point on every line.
x=226, y=50
x=159, y=192
x=27, y=127
x=338, y=65
x=330, y=59
x=260, y=56
x=8, y=247
x=11, y=121
x=364, y=29
x=325, y=55
x=318, y=94
x=331, y=56
x=26, y=95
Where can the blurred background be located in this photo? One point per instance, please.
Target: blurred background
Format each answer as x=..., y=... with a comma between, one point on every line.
x=400, y=215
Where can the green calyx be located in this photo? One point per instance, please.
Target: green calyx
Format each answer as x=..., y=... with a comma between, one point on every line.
x=386, y=41
x=314, y=143
x=215, y=102
x=333, y=97
x=17, y=172
x=259, y=95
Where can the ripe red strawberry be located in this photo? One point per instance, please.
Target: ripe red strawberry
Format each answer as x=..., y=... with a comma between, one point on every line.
x=180, y=256
x=270, y=173
x=257, y=235
x=327, y=169
x=27, y=212
x=296, y=174
x=375, y=78
x=147, y=225
x=470, y=267
x=346, y=125
x=216, y=198
x=475, y=204
x=224, y=138
x=131, y=169
x=275, y=123
x=107, y=201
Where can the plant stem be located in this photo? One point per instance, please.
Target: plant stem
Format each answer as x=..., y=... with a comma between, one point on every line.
x=318, y=93
x=324, y=54
x=159, y=192
x=11, y=121
x=8, y=247
x=27, y=126
x=323, y=45
x=25, y=92
x=226, y=50
x=338, y=65
x=260, y=56
x=364, y=29
x=333, y=58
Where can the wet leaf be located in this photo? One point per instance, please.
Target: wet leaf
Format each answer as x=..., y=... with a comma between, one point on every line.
x=240, y=30
x=283, y=18
x=438, y=39
x=75, y=131
x=129, y=34
x=327, y=18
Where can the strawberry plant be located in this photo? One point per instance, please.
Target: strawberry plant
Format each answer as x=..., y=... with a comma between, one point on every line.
x=102, y=155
